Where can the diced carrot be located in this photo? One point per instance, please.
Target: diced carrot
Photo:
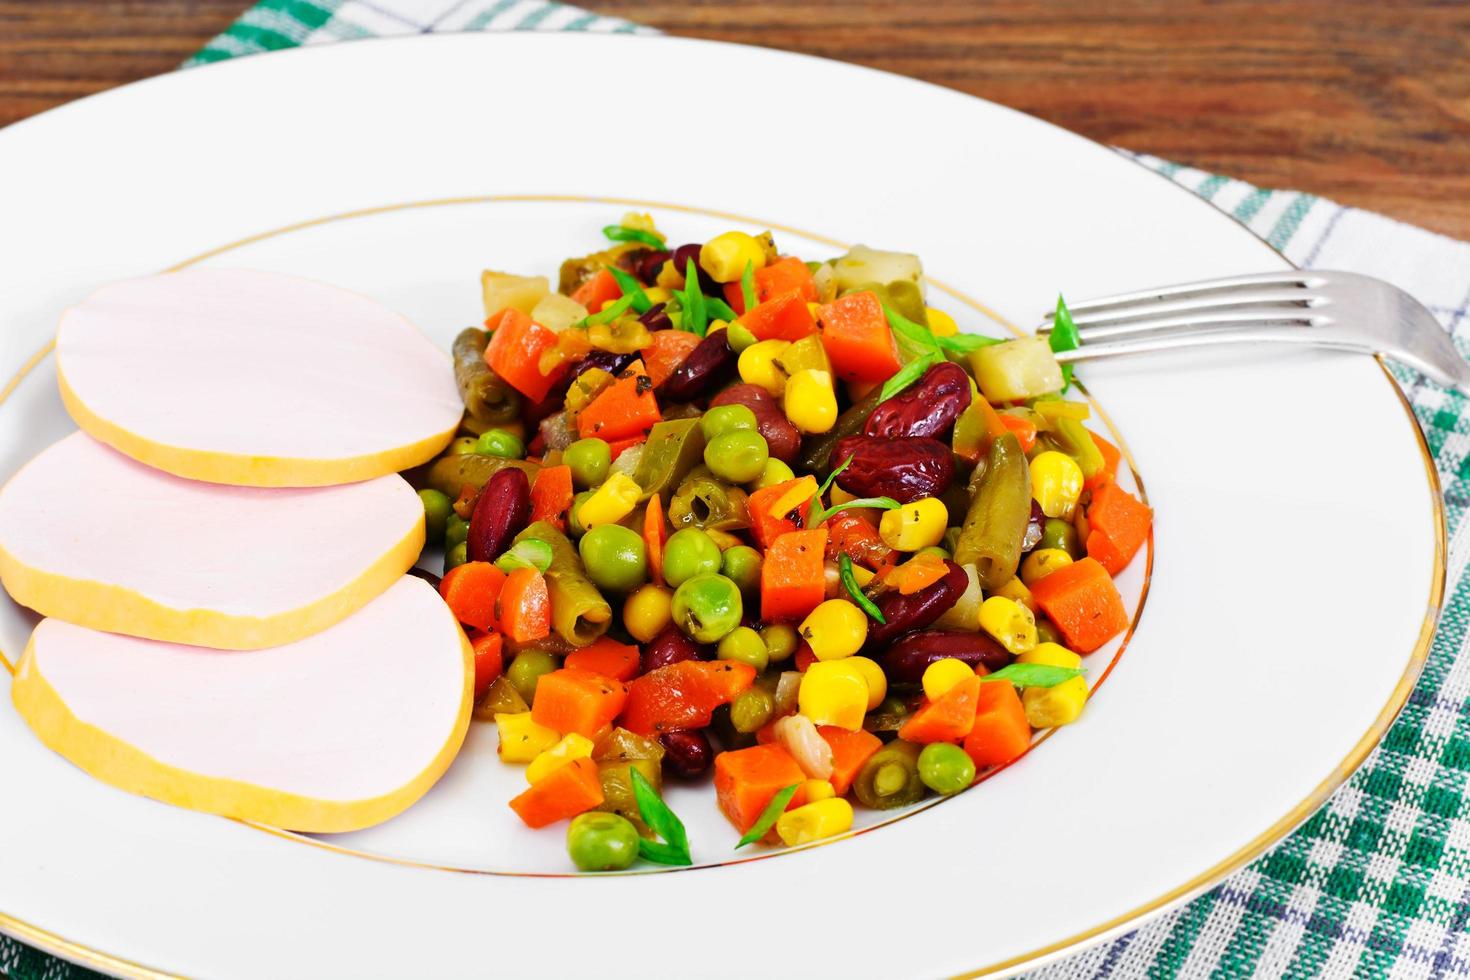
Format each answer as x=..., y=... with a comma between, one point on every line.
x=1001, y=733
x=1111, y=456
x=561, y=794
x=785, y=275
x=948, y=719
x=598, y=291
x=1083, y=602
x=576, y=700
x=849, y=751
x=551, y=495
x=793, y=579
x=765, y=526
x=488, y=659
x=748, y=779
x=523, y=610
x=1025, y=429
x=783, y=317
x=607, y=657
x=682, y=695
x=666, y=351
x=1119, y=525
x=625, y=409
x=766, y=734
x=654, y=531
x=852, y=533
x=917, y=573
x=515, y=350
x=471, y=591
x=858, y=340
x=617, y=447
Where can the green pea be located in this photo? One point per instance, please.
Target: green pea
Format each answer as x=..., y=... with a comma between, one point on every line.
x=687, y=553
x=738, y=456
x=945, y=768
x=726, y=418
x=751, y=709
x=739, y=337
x=574, y=520
x=526, y=669
x=775, y=472
x=707, y=607
x=498, y=442
x=437, y=508
x=462, y=446
x=456, y=556
x=615, y=557
x=456, y=530
x=742, y=565
x=602, y=842
x=1057, y=533
x=589, y=460
x=1046, y=631
x=781, y=641
x=744, y=645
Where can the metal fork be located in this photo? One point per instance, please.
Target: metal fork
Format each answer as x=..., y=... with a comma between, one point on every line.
x=1338, y=310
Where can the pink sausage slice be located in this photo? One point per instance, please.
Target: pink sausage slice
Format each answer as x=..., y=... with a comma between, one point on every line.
x=333, y=733
x=255, y=379
x=95, y=538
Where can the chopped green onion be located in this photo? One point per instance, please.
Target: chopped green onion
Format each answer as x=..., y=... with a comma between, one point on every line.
x=696, y=317
x=817, y=517
x=909, y=373
x=608, y=313
x=622, y=233
x=849, y=582
x=661, y=820
x=1064, y=336
x=530, y=553
x=632, y=287
x=1034, y=675
x=814, y=506
x=720, y=310
x=747, y=286
x=769, y=816
x=960, y=343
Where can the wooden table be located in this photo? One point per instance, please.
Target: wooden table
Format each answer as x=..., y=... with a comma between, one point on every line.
x=1364, y=102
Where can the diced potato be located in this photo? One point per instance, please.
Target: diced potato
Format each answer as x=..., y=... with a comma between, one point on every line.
x=501, y=289
x=863, y=264
x=557, y=312
x=1016, y=370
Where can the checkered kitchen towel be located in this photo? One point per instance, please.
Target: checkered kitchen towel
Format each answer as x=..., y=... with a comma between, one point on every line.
x=1377, y=883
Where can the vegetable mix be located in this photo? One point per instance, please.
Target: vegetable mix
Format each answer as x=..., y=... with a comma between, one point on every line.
x=717, y=509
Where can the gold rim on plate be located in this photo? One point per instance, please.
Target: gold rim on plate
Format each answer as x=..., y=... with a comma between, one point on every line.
x=1133, y=918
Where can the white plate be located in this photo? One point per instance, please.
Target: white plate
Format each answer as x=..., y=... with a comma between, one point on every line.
x=1297, y=567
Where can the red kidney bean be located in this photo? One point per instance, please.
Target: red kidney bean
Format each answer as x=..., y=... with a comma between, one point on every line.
x=687, y=755
x=502, y=511
x=913, y=612
x=657, y=318
x=649, y=264
x=909, y=655
x=706, y=368
x=782, y=438
x=669, y=646
x=927, y=408
x=682, y=255
x=1035, y=525
x=904, y=469
x=606, y=360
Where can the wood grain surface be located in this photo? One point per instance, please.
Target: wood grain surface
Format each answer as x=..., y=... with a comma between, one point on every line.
x=1364, y=102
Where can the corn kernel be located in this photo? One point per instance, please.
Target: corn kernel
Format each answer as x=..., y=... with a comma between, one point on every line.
x=833, y=693
x=861, y=575
x=835, y=629
x=1056, y=483
x=1016, y=589
x=1011, y=624
x=941, y=324
x=611, y=502
x=757, y=365
x=1042, y=562
x=872, y=675
x=725, y=257
x=1052, y=655
x=914, y=526
x=813, y=790
x=572, y=746
x=811, y=404
x=944, y=674
x=647, y=611
x=521, y=739
x=836, y=495
x=814, y=821
x=669, y=277
x=775, y=472
x=1050, y=707
x=716, y=325
x=623, y=336
x=657, y=294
